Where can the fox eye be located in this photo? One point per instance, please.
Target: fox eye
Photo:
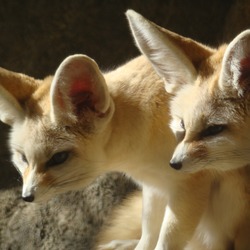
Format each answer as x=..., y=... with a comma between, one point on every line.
x=212, y=130
x=182, y=124
x=58, y=159
x=180, y=135
x=24, y=159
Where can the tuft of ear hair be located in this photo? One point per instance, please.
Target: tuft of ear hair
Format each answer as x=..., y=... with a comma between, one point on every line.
x=78, y=87
x=174, y=57
x=235, y=72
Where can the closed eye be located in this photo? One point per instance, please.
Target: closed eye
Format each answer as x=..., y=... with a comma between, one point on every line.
x=213, y=130
x=57, y=159
x=178, y=127
x=24, y=159
x=180, y=135
x=182, y=125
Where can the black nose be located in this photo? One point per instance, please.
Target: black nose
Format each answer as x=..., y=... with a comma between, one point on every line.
x=176, y=165
x=29, y=198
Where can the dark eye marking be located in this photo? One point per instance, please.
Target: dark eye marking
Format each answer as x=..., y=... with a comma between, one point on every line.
x=57, y=159
x=213, y=130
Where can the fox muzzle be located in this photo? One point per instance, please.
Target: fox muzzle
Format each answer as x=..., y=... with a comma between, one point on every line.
x=29, y=198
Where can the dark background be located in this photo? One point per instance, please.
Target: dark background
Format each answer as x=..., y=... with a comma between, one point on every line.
x=35, y=36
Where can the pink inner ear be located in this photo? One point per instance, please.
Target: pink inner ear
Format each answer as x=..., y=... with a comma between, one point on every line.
x=80, y=85
x=245, y=63
x=244, y=80
x=82, y=95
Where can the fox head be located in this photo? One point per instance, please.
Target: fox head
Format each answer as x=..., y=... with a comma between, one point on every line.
x=211, y=95
x=55, y=126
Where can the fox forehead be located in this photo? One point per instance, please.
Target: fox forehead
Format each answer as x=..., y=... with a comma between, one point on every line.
x=204, y=104
x=39, y=138
x=200, y=107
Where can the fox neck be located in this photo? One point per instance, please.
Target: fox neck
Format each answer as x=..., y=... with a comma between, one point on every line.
x=138, y=134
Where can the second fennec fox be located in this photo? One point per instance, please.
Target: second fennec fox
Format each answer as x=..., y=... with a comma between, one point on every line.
x=210, y=110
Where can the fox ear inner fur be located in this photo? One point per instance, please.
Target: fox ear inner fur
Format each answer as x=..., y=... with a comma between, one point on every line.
x=168, y=60
x=78, y=86
x=236, y=65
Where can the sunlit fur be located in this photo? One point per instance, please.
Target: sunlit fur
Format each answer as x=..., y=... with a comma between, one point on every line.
x=132, y=136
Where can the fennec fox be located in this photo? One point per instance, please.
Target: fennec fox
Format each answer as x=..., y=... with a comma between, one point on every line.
x=210, y=110
x=72, y=127
x=211, y=116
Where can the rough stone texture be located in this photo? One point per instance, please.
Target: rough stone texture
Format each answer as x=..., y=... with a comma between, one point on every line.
x=69, y=221
x=35, y=36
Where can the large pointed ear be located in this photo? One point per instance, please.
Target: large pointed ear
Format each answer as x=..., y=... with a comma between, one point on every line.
x=168, y=60
x=10, y=110
x=20, y=86
x=15, y=88
x=78, y=86
x=235, y=71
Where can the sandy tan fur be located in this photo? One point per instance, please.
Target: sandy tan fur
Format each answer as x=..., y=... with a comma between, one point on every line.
x=124, y=222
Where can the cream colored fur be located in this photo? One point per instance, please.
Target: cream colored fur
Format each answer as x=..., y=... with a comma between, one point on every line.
x=86, y=123
x=123, y=224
